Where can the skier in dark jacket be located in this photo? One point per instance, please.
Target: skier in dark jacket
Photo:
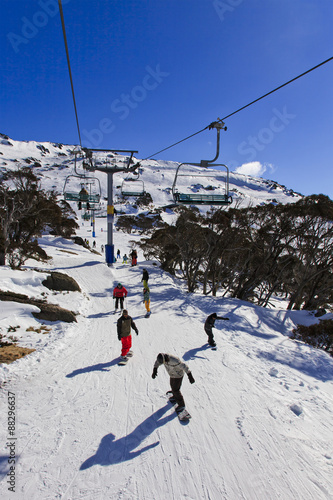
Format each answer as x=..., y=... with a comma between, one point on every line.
x=134, y=257
x=145, y=278
x=209, y=325
x=124, y=325
x=176, y=369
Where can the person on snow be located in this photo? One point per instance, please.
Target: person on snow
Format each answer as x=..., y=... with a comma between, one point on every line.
x=209, y=325
x=176, y=369
x=134, y=257
x=124, y=325
x=125, y=259
x=145, y=278
x=119, y=293
x=146, y=298
x=118, y=254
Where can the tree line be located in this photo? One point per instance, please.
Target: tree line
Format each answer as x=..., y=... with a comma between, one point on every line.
x=26, y=211
x=253, y=253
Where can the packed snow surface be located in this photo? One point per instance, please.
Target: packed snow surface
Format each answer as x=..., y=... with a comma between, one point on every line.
x=87, y=428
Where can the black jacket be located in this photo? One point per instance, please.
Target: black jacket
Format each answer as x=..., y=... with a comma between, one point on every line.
x=145, y=275
x=210, y=321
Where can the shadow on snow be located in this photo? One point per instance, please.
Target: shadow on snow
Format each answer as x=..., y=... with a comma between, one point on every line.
x=114, y=451
x=100, y=367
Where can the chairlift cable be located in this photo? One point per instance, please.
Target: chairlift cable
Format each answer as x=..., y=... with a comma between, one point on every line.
x=243, y=107
x=278, y=88
x=69, y=67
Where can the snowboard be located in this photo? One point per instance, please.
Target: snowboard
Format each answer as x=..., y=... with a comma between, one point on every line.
x=123, y=362
x=183, y=415
x=147, y=315
x=213, y=348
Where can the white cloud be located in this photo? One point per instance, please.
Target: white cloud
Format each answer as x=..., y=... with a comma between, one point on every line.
x=254, y=168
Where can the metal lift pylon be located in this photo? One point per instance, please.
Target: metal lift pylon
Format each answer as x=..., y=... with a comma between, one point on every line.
x=110, y=169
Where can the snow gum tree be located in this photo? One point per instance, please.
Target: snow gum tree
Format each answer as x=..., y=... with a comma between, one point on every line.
x=27, y=211
x=254, y=253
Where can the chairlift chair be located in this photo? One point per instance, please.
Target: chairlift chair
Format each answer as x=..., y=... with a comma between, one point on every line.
x=190, y=198
x=82, y=189
x=132, y=187
x=204, y=199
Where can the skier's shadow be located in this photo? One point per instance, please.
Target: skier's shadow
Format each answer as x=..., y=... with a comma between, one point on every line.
x=100, y=367
x=193, y=353
x=114, y=451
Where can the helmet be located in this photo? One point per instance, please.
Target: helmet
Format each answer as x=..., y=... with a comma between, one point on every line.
x=120, y=285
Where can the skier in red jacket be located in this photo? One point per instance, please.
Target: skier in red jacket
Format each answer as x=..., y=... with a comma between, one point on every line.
x=119, y=293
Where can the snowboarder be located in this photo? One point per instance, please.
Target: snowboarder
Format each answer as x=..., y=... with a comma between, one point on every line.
x=118, y=254
x=124, y=325
x=119, y=293
x=134, y=257
x=146, y=299
x=176, y=369
x=209, y=325
x=145, y=278
x=125, y=259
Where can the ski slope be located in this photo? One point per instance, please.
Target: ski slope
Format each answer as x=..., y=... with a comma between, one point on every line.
x=261, y=405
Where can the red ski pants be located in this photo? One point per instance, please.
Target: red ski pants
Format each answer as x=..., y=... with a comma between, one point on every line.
x=126, y=344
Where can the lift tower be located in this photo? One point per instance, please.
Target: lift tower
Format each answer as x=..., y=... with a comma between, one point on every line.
x=109, y=165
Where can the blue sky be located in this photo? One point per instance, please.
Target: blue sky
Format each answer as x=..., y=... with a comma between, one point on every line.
x=150, y=73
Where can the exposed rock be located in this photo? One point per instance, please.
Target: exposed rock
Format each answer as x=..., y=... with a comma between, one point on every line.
x=52, y=312
x=61, y=282
x=49, y=312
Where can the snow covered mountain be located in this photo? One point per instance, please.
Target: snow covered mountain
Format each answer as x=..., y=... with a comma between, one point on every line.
x=54, y=162
x=76, y=426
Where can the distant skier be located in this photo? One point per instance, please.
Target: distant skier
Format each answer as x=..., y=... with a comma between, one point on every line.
x=118, y=254
x=119, y=293
x=124, y=325
x=134, y=257
x=146, y=299
x=125, y=258
x=145, y=278
x=176, y=369
x=209, y=325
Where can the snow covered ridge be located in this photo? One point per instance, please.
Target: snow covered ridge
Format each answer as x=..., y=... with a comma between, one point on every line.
x=54, y=162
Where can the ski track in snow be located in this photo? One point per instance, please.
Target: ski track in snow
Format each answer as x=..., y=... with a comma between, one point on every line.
x=90, y=429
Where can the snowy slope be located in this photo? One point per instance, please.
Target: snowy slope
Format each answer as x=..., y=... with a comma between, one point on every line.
x=261, y=405
x=55, y=163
